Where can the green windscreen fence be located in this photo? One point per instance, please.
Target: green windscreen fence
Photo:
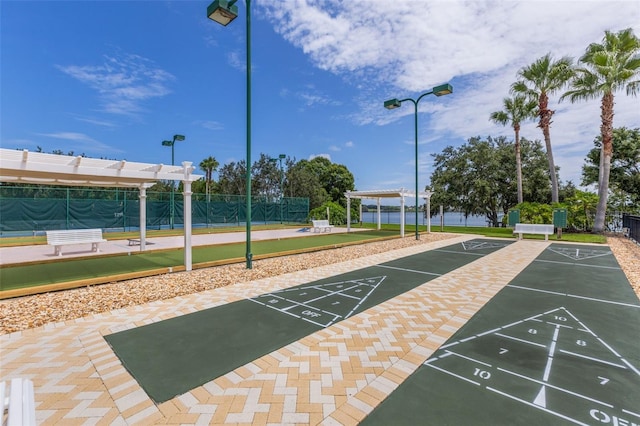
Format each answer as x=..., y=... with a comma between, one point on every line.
x=33, y=209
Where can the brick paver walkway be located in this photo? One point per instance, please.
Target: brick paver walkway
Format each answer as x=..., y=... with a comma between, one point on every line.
x=334, y=376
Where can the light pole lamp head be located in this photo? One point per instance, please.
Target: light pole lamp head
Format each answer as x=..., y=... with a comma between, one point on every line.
x=167, y=143
x=443, y=89
x=392, y=104
x=222, y=11
x=178, y=138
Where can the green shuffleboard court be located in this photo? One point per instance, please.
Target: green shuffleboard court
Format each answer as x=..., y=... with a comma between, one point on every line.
x=560, y=345
x=171, y=357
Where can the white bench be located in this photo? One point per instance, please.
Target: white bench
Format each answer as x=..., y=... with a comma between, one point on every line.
x=57, y=239
x=533, y=228
x=19, y=402
x=321, y=226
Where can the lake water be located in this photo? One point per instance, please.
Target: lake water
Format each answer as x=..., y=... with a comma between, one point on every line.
x=450, y=219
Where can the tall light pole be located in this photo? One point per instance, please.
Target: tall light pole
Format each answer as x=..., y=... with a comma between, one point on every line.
x=279, y=159
x=172, y=143
x=223, y=12
x=441, y=90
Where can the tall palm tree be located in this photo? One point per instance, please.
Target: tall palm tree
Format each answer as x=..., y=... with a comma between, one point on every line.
x=209, y=165
x=516, y=110
x=539, y=80
x=607, y=67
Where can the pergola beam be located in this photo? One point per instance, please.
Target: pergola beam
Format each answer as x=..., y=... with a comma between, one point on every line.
x=52, y=169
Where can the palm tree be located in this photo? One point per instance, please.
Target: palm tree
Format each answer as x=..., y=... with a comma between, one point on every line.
x=607, y=67
x=537, y=81
x=209, y=165
x=516, y=110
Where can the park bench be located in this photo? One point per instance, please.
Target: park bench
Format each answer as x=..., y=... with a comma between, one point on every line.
x=321, y=226
x=533, y=228
x=19, y=402
x=57, y=239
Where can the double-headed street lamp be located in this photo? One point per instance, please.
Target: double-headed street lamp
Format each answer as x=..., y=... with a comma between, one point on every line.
x=172, y=143
x=441, y=90
x=279, y=159
x=223, y=12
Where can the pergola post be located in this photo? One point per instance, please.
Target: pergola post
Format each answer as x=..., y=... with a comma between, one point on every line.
x=143, y=217
x=349, y=213
x=402, y=216
x=379, y=220
x=186, y=213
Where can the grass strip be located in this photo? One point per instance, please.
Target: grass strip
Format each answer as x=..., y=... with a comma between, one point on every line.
x=92, y=270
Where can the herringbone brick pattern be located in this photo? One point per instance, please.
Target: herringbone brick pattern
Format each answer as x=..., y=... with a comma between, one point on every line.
x=334, y=376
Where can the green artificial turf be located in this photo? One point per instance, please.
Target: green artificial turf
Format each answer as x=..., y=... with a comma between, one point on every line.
x=60, y=271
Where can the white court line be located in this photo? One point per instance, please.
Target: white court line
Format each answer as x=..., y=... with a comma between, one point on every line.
x=538, y=407
x=574, y=295
x=469, y=358
x=362, y=299
x=631, y=412
x=331, y=293
x=408, y=270
x=489, y=332
x=559, y=325
x=631, y=366
x=576, y=264
x=521, y=340
x=552, y=348
x=593, y=359
x=295, y=305
x=555, y=387
x=298, y=316
x=459, y=252
x=452, y=374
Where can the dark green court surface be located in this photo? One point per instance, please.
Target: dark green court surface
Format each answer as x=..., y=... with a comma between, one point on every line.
x=559, y=345
x=171, y=357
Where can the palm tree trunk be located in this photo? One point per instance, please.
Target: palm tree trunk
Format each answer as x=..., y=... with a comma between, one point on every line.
x=518, y=163
x=545, y=123
x=606, y=129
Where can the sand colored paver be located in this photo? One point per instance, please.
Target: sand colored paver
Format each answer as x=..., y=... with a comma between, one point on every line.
x=334, y=376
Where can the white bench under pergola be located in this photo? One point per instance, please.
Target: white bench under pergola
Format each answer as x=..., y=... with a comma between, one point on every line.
x=23, y=166
x=387, y=193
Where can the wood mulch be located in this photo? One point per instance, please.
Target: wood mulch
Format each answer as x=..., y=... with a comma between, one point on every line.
x=33, y=311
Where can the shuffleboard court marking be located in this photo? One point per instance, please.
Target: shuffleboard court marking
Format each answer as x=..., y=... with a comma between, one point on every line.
x=579, y=253
x=577, y=296
x=408, y=270
x=478, y=245
x=548, y=341
x=576, y=264
x=458, y=252
x=322, y=304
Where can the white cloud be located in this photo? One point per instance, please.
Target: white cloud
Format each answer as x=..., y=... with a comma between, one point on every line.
x=404, y=50
x=97, y=122
x=310, y=96
x=334, y=148
x=79, y=142
x=237, y=60
x=123, y=82
x=210, y=124
x=349, y=144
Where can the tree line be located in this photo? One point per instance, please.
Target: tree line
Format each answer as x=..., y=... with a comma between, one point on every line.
x=604, y=69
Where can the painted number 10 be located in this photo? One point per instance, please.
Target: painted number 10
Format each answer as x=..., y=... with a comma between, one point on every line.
x=483, y=374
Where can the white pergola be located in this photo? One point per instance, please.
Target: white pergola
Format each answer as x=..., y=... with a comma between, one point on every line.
x=387, y=193
x=51, y=169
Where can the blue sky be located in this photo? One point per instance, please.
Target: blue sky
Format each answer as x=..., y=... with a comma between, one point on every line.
x=114, y=79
